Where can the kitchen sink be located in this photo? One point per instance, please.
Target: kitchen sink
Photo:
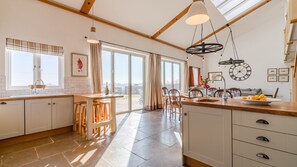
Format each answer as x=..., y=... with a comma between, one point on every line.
x=207, y=100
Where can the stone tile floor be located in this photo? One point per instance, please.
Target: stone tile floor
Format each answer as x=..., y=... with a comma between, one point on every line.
x=145, y=139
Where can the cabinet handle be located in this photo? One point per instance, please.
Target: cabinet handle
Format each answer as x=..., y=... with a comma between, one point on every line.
x=185, y=114
x=48, y=103
x=262, y=155
x=54, y=103
x=262, y=121
x=262, y=138
x=3, y=102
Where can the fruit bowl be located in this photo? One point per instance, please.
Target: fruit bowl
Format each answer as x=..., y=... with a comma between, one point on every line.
x=258, y=102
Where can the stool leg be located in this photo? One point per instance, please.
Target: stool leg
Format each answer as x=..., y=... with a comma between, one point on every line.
x=74, y=117
x=80, y=122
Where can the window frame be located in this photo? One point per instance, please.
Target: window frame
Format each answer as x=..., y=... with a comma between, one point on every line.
x=163, y=61
x=36, y=73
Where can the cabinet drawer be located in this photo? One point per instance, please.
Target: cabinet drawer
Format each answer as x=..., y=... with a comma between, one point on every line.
x=264, y=155
x=243, y=162
x=277, y=123
x=279, y=141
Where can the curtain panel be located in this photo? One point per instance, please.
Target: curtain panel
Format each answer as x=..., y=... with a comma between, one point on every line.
x=96, y=67
x=33, y=47
x=191, y=77
x=153, y=96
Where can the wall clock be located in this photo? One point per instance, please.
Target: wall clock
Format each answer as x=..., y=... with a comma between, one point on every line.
x=240, y=72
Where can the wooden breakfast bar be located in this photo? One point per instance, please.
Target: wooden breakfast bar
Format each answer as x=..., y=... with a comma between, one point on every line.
x=90, y=99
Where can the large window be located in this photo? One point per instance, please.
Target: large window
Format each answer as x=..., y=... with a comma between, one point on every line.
x=124, y=73
x=24, y=68
x=171, y=74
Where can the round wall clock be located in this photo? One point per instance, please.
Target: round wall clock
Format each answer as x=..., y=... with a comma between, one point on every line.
x=240, y=72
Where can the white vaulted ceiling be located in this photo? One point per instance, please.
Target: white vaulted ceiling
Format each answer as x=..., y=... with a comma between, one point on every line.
x=149, y=16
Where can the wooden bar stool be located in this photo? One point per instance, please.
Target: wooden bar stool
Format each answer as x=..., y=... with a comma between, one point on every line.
x=95, y=116
x=78, y=107
x=105, y=110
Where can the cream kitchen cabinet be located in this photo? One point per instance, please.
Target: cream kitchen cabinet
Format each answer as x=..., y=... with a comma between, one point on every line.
x=38, y=115
x=62, y=112
x=49, y=113
x=207, y=135
x=11, y=118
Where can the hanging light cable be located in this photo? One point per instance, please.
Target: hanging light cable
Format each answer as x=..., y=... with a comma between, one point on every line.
x=92, y=38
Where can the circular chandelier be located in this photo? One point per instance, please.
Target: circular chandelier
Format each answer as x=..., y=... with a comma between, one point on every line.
x=197, y=14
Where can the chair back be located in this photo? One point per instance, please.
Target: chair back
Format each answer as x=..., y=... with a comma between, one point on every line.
x=219, y=93
x=174, y=97
x=195, y=92
x=235, y=92
x=276, y=92
x=164, y=91
x=211, y=91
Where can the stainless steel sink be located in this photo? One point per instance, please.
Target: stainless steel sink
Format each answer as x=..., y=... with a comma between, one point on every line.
x=207, y=100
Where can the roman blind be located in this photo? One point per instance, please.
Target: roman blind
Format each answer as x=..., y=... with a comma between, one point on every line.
x=33, y=47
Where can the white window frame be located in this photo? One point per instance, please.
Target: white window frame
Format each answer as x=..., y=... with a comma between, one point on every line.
x=36, y=73
x=172, y=73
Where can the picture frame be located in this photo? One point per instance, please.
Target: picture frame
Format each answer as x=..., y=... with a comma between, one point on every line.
x=283, y=71
x=216, y=78
x=272, y=71
x=283, y=78
x=79, y=65
x=271, y=78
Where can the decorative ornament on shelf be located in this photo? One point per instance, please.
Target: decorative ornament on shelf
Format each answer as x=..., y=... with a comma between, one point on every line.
x=197, y=15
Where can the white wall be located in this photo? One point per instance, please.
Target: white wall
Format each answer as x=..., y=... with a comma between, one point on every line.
x=259, y=40
x=38, y=22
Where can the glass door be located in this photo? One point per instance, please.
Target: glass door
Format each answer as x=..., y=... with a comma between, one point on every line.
x=137, y=80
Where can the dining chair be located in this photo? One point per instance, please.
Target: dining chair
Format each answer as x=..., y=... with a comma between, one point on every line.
x=165, y=98
x=211, y=91
x=235, y=92
x=175, y=102
x=219, y=93
x=195, y=92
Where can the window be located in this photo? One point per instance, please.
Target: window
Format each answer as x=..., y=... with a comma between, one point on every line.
x=233, y=8
x=171, y=74
x=125, y=74
x=24, y=68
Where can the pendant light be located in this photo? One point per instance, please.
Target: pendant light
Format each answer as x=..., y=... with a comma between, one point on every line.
x=236, y=59
x=197, y=13
x=92, y=38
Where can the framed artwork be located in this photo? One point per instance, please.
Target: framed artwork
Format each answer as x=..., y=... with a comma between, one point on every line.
x=215, y=76
x=283, y=78
x=272, y=78
x=272, y=71
x=79, y=65
x=283, y=71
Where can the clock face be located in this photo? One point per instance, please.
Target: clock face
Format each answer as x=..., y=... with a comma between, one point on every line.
x=240, y=72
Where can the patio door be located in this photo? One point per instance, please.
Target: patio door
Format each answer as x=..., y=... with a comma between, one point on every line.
x=125, y=73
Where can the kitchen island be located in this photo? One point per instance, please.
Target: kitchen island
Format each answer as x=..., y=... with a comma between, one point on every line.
x=239, y=135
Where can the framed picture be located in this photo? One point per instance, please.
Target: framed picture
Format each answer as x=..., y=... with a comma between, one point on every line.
x=283, y=71
x=79, y=65
x=283, y=78
x=272, y=71
x=215, y=76
x=272, y=78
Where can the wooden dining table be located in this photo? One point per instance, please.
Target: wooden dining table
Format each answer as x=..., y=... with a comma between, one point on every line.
x=90, y=99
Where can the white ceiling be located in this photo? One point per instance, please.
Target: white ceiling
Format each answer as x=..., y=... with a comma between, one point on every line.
x=151, y=15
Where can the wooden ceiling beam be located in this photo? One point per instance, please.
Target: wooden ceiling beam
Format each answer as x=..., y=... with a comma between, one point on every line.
x=233, y=21
x=101, y=20
x=171, y=22
x=87, y=6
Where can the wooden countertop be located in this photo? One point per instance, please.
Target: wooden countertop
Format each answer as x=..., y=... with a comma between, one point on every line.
x=41, y=96
x=277, y=108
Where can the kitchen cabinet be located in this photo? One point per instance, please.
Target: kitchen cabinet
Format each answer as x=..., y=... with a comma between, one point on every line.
x=38, y=115
x=62, y=112
x=47, y=114
x=207, y=135
x=11, y=118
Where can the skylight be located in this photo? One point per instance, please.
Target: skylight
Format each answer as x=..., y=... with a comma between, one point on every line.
x=233, y=8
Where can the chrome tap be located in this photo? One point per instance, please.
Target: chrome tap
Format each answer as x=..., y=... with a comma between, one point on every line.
x=35, y=85
x=224, y=95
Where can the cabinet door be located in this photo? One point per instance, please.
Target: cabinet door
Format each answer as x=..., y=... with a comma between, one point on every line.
x=62, y=112
x=38, y=115
x=11, y=118
x=207, y=135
